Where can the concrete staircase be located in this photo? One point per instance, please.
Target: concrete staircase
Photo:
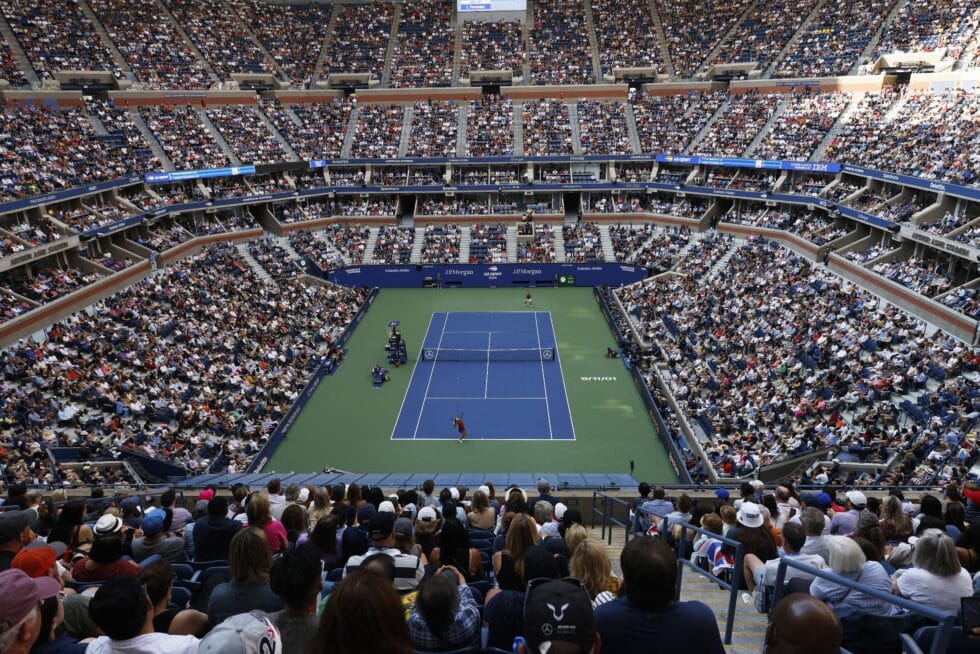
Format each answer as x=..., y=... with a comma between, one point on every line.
x=151, y=140
x=165, y=11
x=458, y=46
x=658, y=27
x=331, y=248
x=229, y=10
x=322, y=57
x=275, y=133
x=218, y=138
x=369, y=246
x=518, y=128
x=406, y=135
x=876, y=39
x=559, y=233
x=576, y=127
x=117, y=58
x=19, y=55
x=966, y=57
x=722, y=263
x=464, y=244
x=463, y=119
x=838, y=127
x=351, y=128
x=526, y=34
x=418, y=244
x=97, y=126
x=392, y=44
x=632, y=129
x=804, y=26
x=608, y=253
x=692, y=146
x=713, y=55
x=780, y=109
x=256, y=267
x=593, y=42
x=512, y=244
x=283, y=242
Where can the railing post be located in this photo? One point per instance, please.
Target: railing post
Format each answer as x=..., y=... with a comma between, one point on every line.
x=608, y=521
x=680, y=565
x=733, y=594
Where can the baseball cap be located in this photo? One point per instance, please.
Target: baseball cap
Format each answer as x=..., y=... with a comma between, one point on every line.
x=36, y=562
x=558, y=610
x=386, y=507
x=856, y=498
x=485, y=489
x=304, y=494
x=427, y=514
x=454, y=492
x=824, y=499
x=152, y=523
x=245, y=633
x=721, y=493
x=206, y=494
x=404, y=528
x=365, y=513
x=381, y=525
x=108, y=524
x=21, y=594
x=750, y=515
x=12, y=523
x=58, y=547
x=539, y=562
x=560, y=511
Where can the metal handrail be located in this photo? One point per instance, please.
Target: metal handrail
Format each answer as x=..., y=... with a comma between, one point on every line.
x=608, y=520
x=946, y=622
x=732, y=587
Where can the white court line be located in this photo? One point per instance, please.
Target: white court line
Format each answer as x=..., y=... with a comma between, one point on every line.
x=429, y=383
x=486, y=379
x=409, y=387
x=564, y=392
x=544, y=381
x=458, y=399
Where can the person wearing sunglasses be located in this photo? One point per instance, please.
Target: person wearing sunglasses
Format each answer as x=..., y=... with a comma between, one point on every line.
x=558, y=619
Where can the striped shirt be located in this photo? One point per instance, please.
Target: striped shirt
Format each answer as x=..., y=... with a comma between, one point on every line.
x=408, y=569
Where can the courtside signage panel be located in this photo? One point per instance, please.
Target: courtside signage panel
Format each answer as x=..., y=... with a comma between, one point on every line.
x=491, y=5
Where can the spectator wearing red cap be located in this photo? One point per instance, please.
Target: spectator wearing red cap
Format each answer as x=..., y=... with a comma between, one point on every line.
x=20, y=615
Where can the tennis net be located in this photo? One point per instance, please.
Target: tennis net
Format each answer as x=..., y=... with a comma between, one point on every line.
x=487, y=355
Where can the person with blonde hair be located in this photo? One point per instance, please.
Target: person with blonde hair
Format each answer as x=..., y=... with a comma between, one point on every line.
x=508, y=563
x=259, y=513
x=895, y=525
x=936, y=578
x=591, y=565
x=321, y=506
x=575, y=536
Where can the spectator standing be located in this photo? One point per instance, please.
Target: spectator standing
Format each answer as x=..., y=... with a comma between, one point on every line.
x=213, y=533
x=648, y=614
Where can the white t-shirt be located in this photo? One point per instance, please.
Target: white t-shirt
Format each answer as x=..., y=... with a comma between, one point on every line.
x=154, y=643
x=941, y=593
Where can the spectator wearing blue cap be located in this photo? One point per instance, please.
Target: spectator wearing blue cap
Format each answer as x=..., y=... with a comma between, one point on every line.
x=157, y=541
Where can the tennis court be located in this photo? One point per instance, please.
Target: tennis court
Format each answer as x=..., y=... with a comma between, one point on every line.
x=500, y=370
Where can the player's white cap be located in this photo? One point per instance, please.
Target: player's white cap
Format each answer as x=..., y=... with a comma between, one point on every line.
x=454, y=492
x=486, y=489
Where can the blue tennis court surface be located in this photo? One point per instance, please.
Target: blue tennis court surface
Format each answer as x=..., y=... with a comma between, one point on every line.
x=501, y=370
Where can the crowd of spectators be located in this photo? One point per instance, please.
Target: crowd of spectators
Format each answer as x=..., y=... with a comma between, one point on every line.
x=464, y=205
x=350, y=240
x=928, y=134
x=9, y=68
x=540, y=248
x=700, y=257
x=603, y=128
x=547, y=129
x=394, y=244
x=659, y=253
x=739, y=123
x=221, y=36
x=273, y=258
x=766, y=381
x=490, y=127
x=184, y=137
x=46, y=284
x=247, y=134
x=971, y=237
x=833, y=42
x=492, y=46
x=802, y=126
x=925, y=277
x=319, y=251
x=371, y=206
x=950, y=221
x=626, y=35
x=488, y=243
x=441, y=244
x=667, y=123
x=693, y=29
x=948, y=25
x=360, y=39
x=290, y=34
x=765, y=30
x=424, y=47
x=583, y=243
x=622, y=203
x=57, y=37
x=628, y=239
x=378, y=131
x=321, y=129
x=151, y=45
x=559, y=45
x=434, y=128
x=123, y=137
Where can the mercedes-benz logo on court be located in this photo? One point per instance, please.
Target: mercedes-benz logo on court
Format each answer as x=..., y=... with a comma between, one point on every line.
x=429, y=354
x=547, y=354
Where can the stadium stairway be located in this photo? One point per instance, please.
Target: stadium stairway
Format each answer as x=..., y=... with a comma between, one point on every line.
x=560, y=256
x=631, y=128
x=775, y=116
x=512, y=244
x=692, y=146
x=294, y=256
x=188, y=41
x=218, y=138
x=658, y=27
x=576, y=127
x=331, y=248
x=526, y=37
x=836, y=129
x=417, y=244
x=876, y=38
x=254, y=38
x=593, y=41
x=22, y=61
x=151, y=140
x=351, y=128
x=117, y=58
x=967, y=56
x=519, y=126
x=750, y=626
x=325, y=47
x=462, y=118
x=256, y=267
x=406, y=135
x=369, y=246
x=283, y=143
x=464, y=244
x=458, y=45
x=392, y=44
x=608, y=253
x=725, y=41
x=804, y=26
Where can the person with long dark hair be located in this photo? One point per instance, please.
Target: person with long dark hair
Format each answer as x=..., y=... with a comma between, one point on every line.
x=445, y=615
x=454, y=549
x=364, y=614
x=70, y=528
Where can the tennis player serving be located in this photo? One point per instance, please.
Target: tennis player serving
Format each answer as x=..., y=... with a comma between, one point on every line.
x=461, y=427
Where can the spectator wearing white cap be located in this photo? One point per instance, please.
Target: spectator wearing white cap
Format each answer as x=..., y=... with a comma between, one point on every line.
x=751, y=531
x=845, y=523
x=427, y=526
x=245, y=633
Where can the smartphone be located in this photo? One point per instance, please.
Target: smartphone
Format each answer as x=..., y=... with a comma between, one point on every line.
x=970, y=613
